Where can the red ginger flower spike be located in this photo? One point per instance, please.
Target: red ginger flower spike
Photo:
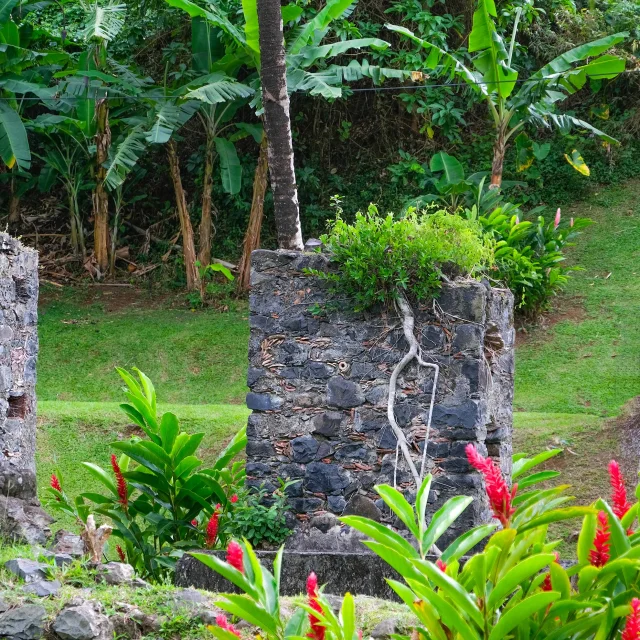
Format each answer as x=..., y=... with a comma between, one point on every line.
x=221, y=621
x=317, y=630
x=55, y=484
x=212, y=530
x=121, y=555
x=618, y=491
x=599, y=556
x=194, y=522
x=120, y=481
x=234, y=498
x=632, y=627
x=234, y=556
x=546, y=583
x=441, y=565
x=497, y=490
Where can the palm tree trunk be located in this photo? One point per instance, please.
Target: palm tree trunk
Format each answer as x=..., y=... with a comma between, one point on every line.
x=188, y=245
x=204, y=248
x=273, y=74
x=100, y=196
x=499, y=149
x=252, y=236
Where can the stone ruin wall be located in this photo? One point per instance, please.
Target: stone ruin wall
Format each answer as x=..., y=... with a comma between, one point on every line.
x=318, y=378
x=20, y=516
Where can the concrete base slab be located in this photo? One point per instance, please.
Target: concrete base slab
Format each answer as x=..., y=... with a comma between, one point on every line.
x=358, y=573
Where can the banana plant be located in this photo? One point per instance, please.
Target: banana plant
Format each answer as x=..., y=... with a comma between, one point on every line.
x=494, y=78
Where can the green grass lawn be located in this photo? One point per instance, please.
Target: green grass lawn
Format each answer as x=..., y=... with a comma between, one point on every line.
x=591, y=366
x=193, y=357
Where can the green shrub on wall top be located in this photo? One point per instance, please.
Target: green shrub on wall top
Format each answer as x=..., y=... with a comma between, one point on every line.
x=380, y=256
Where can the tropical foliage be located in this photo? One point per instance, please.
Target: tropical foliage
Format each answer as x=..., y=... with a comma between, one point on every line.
x=516, y=586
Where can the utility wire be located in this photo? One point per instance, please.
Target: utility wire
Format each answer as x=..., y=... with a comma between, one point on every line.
x=98, y=92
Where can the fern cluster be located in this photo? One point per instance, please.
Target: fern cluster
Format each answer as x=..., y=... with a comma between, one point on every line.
x=379, y=256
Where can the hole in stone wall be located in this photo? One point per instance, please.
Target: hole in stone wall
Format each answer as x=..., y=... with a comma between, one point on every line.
x=18, y=406
x=22, y=290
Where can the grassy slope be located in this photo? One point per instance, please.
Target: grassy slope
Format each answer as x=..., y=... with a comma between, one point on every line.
x=572, y=376
x=192, y=357
x=592, y=366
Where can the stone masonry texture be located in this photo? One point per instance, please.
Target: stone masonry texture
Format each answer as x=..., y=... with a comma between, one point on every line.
x=319, y=376
x=20, y=517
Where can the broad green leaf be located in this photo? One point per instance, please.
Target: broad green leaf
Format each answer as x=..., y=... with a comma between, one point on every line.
x=250, y=611
x=619, y=540
x=237, y=444
x=535, y=478
x=230, y=167
x=453, y=173
x=101, y=475
x=525, y=464
x=524, y=153
x=467, y=541
x=399, y=505
x=422, y=500
x=586, y=537
x=577, y=162
x=14, y=144
x=348, y=617
x=251, y=30
x=516, y=576
x=332, y=10
x=381, y=534
x=444, y=518
x=291, y=12
x=6, y=6
x=522, y=611
x=556, y=515
x=169, y=429
x=218, y=89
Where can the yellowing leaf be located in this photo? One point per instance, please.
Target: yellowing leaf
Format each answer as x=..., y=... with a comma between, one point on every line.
x=417, y=76
x=577, y=162
x=430, y=132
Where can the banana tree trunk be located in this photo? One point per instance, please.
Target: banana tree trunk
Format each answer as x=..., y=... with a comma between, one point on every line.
x=100, y=196
x=252, y=236
x=273, y=75
x=204, y=249
x=499, y=149
x=188, y=244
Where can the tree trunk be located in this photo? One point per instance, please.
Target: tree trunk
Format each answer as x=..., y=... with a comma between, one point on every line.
x=75, y=243
x=273, y=74
x=188, y=245
x=100, y=196
x=252, y=236
x=499, y=149
x=204, y=249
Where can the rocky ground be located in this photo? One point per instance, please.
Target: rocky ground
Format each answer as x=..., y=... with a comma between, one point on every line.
x=53, y=594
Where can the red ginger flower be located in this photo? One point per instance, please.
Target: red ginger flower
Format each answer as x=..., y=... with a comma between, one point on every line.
x=55, y=484
x=497, y=490
x=556, y=222
x=546, y=583
x=619, y=492
x=221, y=621
x=632, y=627
x=212, y=530
x=194, y=522
x=441, y=565
x=234, y=498
x=234, y=556
x=599, y=556
x=121, y=555
x=317, y=630
x=120, y=481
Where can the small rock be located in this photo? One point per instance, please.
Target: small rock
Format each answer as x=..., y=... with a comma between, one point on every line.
x=344, y=393
x=208, y=616
x=23, y=623
x=305, y=449
x=115, y=573
x=328, y=424
x=139, y=583
x=360, y=505
x=385, y=629
x=28, y=570
x=324, y=521
x=43, y=588
x=65, y=542
x=125, y=627
x=83, y=621
x=23, y=523
x=336, y=503
x=189, y=598
x=263, y=401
